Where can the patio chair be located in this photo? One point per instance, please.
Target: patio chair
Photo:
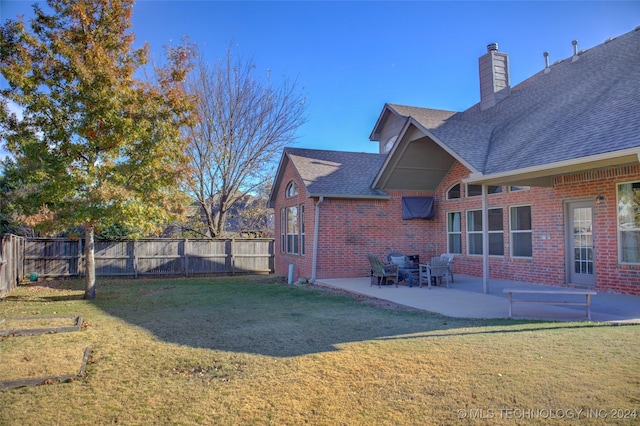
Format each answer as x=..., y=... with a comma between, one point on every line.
x=382, y=271
x=437, y=269
x=407, y=269
x=449, y=257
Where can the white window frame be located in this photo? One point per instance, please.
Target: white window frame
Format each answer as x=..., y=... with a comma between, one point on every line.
x=491, y=190
x=491, y=232
x=517, y=188
x=292, y=232
x=459, y=185
x=513, y=232
x=451, y=233
x=630, y=226
x=292, y=190
x=301, y=228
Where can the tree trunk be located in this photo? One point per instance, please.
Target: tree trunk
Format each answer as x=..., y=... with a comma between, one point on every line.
x=90, y=287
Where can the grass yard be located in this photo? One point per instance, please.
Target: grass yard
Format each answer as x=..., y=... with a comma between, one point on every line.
x=242, y=351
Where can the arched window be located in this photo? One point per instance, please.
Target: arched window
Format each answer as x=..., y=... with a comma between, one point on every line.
x=292, y=189
x=453, y=192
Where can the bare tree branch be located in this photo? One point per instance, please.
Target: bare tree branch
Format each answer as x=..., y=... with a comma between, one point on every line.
x=243, y=123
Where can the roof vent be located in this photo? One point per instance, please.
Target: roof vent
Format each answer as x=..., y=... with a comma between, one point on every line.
x=575, y=50
x=546, y=61
x=493, y=47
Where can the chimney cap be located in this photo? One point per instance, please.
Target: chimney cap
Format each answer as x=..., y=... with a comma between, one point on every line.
x=492, y=47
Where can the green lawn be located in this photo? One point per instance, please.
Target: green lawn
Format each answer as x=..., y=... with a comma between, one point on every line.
x=237, y=351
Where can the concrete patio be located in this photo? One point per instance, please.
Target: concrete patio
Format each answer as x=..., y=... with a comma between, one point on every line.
x=465, y=299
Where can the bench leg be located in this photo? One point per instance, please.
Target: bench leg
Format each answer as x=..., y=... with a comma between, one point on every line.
x=510, y=303
x=589, y=307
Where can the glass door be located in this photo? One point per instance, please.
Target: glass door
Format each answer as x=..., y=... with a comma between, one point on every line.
x=580, y=244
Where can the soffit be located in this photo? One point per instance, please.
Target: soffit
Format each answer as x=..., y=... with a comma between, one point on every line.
x=416, y=164
x=544, y=176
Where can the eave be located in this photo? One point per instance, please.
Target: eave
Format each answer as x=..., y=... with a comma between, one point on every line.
x=543, y=175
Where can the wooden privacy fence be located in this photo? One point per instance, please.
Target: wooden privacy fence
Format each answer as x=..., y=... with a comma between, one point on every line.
x=149, y=257
x=11, y=260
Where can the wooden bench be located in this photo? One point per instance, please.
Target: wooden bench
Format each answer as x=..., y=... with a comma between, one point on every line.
x=586, y=293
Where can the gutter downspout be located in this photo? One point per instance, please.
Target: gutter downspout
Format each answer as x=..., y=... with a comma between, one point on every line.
x=316, y=220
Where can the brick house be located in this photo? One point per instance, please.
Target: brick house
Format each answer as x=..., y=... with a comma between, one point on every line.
x=551, y=165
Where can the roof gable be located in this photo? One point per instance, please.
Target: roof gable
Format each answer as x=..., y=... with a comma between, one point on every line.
x=333, y=174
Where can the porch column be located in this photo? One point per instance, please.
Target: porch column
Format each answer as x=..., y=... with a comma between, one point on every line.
x=485, y=239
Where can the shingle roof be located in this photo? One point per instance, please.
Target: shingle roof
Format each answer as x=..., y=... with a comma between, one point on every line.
x=430, y=118
x=337, y=173
x=578, y=108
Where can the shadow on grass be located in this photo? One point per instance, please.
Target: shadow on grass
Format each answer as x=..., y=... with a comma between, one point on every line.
x=268, y=318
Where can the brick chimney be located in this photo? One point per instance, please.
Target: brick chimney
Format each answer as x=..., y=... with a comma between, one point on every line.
x=494, y=77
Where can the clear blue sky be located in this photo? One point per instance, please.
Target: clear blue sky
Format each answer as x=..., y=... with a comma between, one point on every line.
x=352, y=57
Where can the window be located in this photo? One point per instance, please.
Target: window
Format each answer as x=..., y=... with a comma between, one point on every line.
x=521, y=232
x=292, y=230
x=495, y=231
x=454, y=233
x=292, y=189
x=291, y=220
x=302, y=230
x=454, y=192
x=475, y=190
x=629, y=222
x=283, y=230
x=518, y=188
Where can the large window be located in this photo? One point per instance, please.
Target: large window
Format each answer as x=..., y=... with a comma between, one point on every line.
x=629, y=222
x=521, y=232
x=454, y=233
x=292, y=228
x=495, y=231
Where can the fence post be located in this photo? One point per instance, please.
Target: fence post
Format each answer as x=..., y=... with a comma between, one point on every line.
x=134, y=261
x=185, y=254
x=232, y=259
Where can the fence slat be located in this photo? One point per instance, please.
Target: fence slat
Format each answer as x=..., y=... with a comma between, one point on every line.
x=11, y=261
x=56, y=257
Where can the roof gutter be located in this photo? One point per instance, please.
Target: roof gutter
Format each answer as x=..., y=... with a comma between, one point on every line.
x=316, y=233
x=350, y=197
x=608, y=159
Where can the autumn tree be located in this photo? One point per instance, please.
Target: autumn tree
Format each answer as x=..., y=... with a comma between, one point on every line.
x=244, y=121
x=95, y=144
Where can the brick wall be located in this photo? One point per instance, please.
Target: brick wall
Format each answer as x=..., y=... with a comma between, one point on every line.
x=349, y=229
x=548, y=266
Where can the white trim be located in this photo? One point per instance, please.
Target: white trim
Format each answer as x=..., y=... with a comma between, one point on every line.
x=545, y=170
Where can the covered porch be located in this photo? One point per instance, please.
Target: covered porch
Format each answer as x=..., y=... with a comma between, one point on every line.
x=465, y=298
